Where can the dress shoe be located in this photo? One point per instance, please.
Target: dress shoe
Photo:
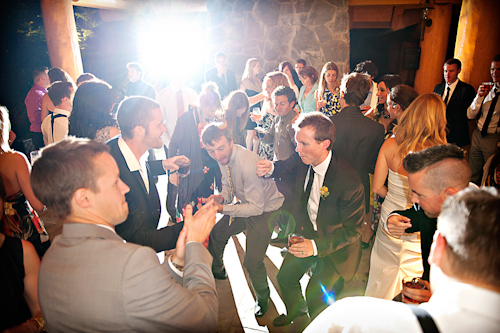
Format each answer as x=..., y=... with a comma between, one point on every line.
x=283, y=320
x=221, y=275
x=261, y=307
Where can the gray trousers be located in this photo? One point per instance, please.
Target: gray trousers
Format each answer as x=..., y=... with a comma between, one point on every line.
x=481, y=149
x=258, y=237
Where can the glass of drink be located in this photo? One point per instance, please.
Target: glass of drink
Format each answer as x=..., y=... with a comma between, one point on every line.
x=184, y=168
x=414, y=283
x=256, y=112
x=295, y=239
x=487, y=85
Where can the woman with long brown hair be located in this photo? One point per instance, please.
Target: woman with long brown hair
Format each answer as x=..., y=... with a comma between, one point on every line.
x=286, y=68
x=236, y=112
x=421, y=126
x=327, y=97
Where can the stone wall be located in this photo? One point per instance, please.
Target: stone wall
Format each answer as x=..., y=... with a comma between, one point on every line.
x=280, y=30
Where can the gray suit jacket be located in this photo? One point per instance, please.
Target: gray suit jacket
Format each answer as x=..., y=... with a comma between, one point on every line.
x=91, y=281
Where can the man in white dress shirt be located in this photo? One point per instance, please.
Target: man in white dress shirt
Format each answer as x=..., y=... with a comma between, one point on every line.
x=465, y=265
x=485, y=138
x=55, y=126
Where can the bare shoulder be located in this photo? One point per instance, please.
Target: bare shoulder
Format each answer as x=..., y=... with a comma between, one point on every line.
x=389, y=147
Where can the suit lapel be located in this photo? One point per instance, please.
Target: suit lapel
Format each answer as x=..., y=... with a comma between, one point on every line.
x=456, y=92
x=328, y=182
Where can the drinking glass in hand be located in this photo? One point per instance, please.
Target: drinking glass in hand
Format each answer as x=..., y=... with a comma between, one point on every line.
x=295, y=239
x=184, y=168
x=414, y=283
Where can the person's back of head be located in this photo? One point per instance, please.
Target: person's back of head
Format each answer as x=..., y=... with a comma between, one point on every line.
x=58, y=74
x=62, y=169
x=368, y=67
x=445, y=167
x=323, y=127
x=391, y=80
x=39, y=75
x=469, y=223
x=422, y=125
x=302, y=61
x=210, y=96
x=60, y=90
x=84, y=77
x=403, y=95
x=135, y=111
x=354, y=88
x=91, y=108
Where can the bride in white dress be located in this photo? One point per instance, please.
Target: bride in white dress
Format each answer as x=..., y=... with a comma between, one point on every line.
x=422, y=125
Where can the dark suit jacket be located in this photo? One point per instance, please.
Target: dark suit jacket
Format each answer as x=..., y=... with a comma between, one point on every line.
x=358, y=140
x=141, y=225
x=224, y=88
x=456, y=112
x=340, y=214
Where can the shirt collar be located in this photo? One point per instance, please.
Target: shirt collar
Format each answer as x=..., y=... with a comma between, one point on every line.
x=132, y=162
x=321, y=168
x=233, y=156
x=61, y=111
x=106, y=227
x=39, y=87
x=453, y=85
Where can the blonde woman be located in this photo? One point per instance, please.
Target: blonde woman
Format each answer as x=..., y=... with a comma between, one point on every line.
x=271, y=82
x=327, y=97
x=421, y=126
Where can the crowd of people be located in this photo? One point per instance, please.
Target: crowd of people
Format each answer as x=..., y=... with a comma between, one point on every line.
x=327, y=165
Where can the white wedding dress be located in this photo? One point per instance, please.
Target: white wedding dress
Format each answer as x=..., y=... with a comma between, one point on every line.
x=393, y=258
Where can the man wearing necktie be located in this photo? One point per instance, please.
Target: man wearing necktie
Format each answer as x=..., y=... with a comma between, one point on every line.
x=329, y=214
x=221, y=75
x=457, y=95
x=248, y=203
x=486, y=109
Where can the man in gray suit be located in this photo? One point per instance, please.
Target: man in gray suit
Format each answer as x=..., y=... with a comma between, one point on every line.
x=90, y=279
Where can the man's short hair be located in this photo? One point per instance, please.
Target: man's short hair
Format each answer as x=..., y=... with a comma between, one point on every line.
x=323, y=127
x=63, y=168
x=284, y=91
x=135, y=111
x=214, y=132
x=367, y=66
x=454, y=61
x=356, y=87
x=84, y=77
x=496, y=58
x=301, y=61
x=39, y=72
x=446, y=167
x=137, y=66
x=469, y=221
x=58, y=90
x=219, y=55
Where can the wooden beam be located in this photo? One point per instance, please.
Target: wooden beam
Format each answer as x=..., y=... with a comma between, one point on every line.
x=372, y=14
x=353, y=3
x=156, y=6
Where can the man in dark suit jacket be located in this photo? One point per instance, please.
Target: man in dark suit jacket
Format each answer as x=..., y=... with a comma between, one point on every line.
x=223, y=77
x=458, y=96
x=141, y=126
x=329, y=214
x=358, y=139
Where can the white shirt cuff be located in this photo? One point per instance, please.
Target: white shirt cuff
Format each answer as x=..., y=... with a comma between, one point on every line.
x=315, y=248
x=178, y=272
x=270, y=173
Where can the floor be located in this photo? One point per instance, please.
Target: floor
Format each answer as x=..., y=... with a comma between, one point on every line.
x=236, y=301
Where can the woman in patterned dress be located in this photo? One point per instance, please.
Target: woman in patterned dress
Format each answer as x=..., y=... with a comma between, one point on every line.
x=327, y=96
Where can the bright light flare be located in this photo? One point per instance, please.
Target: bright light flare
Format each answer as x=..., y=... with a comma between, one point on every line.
x=171, y=46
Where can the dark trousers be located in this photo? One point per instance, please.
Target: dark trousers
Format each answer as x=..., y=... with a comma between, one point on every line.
x=258, y=237
x=37, y=138
x=324, y=286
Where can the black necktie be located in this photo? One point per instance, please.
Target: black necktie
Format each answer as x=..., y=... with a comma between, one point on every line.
x=447, y=96
x=307, y=193
x=486, y=123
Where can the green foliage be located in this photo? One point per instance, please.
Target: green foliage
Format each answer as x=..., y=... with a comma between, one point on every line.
x=87, y=19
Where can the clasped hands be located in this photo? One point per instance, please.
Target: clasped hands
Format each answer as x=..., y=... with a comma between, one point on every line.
x=196, y=228
x=302, y=250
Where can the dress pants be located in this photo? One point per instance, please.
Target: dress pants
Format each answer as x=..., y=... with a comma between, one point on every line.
x=481, y=149
x=258, y=237
x=323, y=287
